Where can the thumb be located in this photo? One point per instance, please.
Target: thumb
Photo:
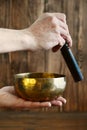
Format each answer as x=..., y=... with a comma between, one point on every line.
x=56, y=48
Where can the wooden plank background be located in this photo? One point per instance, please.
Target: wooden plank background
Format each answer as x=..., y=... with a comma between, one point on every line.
x=17, y=14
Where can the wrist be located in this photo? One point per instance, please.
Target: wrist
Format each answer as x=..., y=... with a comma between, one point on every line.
x=29, y=40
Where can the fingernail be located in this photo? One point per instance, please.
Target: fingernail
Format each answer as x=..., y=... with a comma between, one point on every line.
x=49, y=104
x=65, y=101
x=60, y=103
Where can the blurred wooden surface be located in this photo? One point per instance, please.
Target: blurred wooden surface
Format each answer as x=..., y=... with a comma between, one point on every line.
x=42, y=121
x=19, y=14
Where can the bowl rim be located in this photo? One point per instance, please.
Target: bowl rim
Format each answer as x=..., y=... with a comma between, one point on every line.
x=26, y=75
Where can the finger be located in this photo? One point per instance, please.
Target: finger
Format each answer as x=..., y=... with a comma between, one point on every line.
x=37, y=104
x=63, y=25
x=66, y=36
x=57, y=22
x=56, y=48
x=68, y=39
x=60, y=16
x=33, y=105
x=57, y=103
x=61, y=28
x=7, y=88
x=61, y=99
x=61, y=42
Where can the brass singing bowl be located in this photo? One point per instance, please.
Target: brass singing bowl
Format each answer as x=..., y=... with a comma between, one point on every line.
x=39, y=86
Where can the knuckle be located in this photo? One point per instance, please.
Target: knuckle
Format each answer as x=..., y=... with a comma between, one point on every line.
x=51, y=18
x=47, y=15
x=63, y=15
x=66, y=26
x=53, y=21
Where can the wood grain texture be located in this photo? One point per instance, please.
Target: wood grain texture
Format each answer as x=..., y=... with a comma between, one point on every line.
x=4, y=58
x=36, y=60
x=82, y=55
x=17, y=14
x=31, y=120
x=55, y=61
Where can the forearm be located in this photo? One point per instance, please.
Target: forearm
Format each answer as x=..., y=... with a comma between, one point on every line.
x=14, y=40
x=48, y=31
